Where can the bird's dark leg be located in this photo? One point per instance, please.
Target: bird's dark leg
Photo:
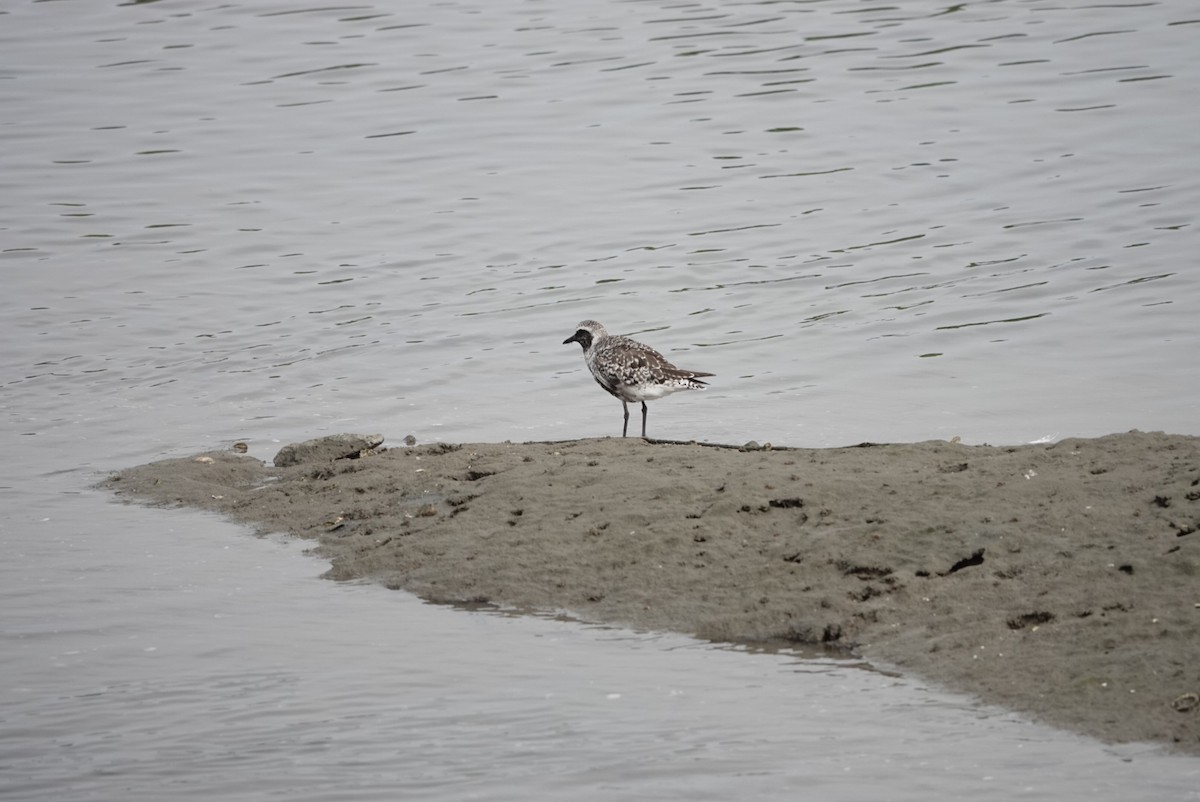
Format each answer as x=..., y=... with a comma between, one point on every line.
x=644, y=411
x=625, y=428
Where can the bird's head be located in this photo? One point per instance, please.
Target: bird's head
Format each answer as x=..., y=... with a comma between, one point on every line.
x=586, y=333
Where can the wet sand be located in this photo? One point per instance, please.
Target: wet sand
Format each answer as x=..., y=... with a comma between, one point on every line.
x=1062, y=580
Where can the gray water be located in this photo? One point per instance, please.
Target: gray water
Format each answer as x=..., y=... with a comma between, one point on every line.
x=269, y=221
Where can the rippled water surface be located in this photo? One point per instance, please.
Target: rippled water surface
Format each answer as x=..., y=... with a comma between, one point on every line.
x=267, y=221
x=871, y=221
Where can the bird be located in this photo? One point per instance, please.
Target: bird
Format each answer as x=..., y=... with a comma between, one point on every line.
x=630, y=370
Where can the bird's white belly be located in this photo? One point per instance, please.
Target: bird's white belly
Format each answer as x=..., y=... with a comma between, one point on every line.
x=645, y=392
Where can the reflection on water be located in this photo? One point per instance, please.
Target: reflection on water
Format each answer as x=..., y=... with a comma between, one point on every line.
x=265, y=222
x=221, y=667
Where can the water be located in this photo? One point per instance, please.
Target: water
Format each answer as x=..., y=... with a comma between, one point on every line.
x=185, y=660
x=268, y=221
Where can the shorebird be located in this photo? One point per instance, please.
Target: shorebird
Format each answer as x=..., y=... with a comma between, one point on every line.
x=630, y=370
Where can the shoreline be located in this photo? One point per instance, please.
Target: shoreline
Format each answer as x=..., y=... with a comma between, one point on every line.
x=1058, y=580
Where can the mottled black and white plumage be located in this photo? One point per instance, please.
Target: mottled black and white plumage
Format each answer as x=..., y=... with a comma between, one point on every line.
x=630, y=370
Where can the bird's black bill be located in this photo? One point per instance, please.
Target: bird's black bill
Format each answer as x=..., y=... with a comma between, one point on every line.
x=583, y=337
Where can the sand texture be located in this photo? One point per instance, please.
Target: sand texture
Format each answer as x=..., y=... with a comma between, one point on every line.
x=1058, y=580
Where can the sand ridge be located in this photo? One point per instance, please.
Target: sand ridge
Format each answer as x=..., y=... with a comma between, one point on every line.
x=1059, y=580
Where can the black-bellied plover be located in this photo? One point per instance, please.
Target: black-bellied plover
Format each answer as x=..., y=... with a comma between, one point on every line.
x=630, y=370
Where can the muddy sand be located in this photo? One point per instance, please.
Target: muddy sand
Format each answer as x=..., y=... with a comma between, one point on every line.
x=1062, y=580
